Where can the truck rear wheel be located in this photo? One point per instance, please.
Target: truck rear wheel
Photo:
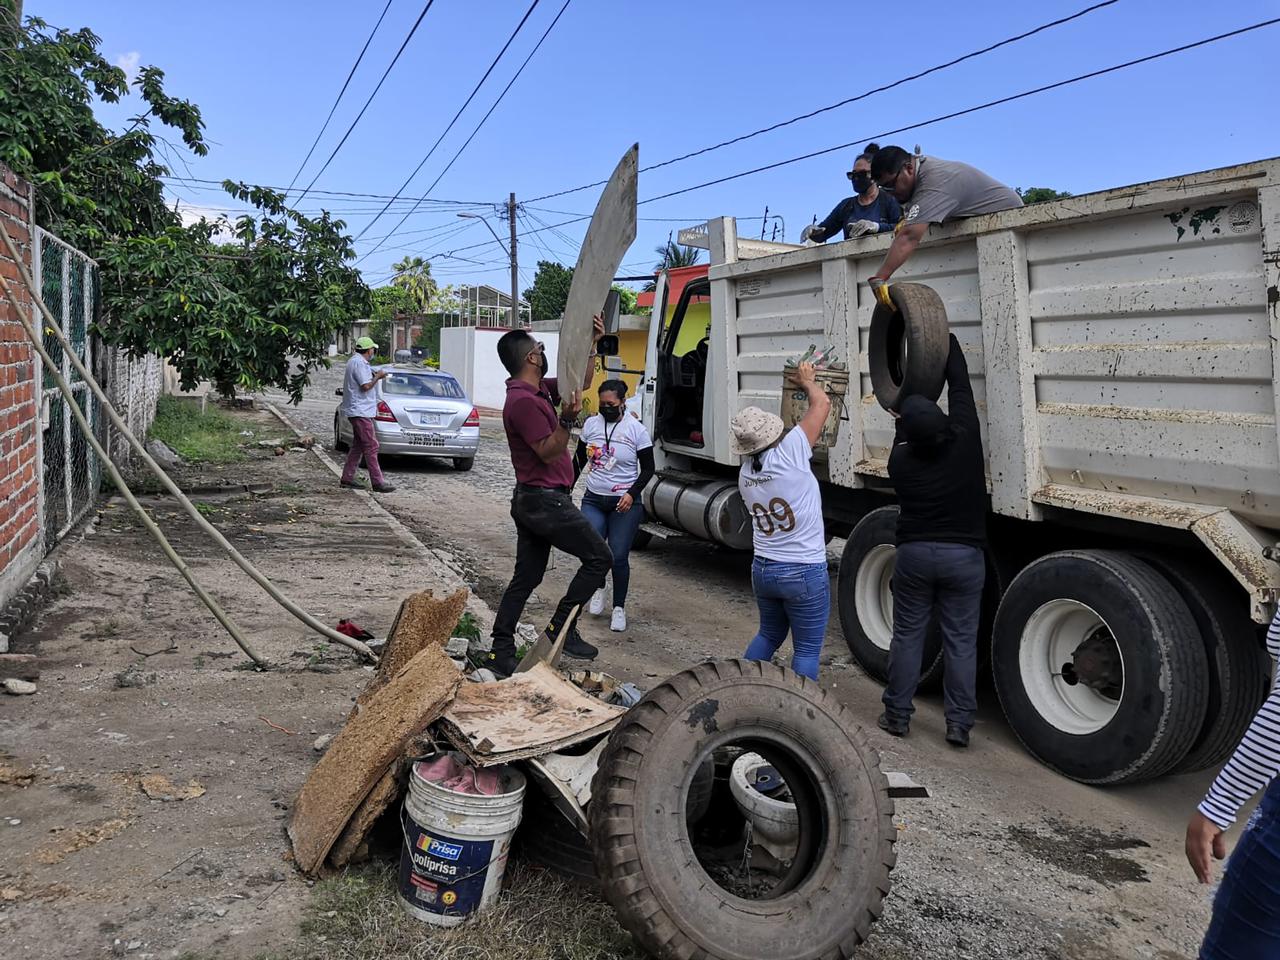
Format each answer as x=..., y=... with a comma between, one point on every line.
x=1099, y=667
x=865, y=598
x=1239, y=668
x=907, y=348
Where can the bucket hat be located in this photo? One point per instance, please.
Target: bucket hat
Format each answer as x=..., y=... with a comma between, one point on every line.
x=754, y=430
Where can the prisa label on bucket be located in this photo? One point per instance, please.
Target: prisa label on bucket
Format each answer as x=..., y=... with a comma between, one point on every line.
x=443, y=874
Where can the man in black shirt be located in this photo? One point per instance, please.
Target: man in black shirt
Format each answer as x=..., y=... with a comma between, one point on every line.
x=937, y=472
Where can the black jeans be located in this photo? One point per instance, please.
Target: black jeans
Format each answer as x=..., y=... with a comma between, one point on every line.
x=945, y=578
x=547, y=518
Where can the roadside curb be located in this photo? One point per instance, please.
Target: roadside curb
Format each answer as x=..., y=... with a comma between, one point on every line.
x=438, y=559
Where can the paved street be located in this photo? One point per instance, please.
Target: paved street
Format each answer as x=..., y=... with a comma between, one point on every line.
x=1006, y=859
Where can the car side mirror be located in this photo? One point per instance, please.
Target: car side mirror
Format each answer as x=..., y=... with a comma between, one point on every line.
x=612, y=312
x=338, y=392
x=607, y=346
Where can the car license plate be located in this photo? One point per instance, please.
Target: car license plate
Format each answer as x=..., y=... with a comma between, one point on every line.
x=426, y=439
x=429, y=419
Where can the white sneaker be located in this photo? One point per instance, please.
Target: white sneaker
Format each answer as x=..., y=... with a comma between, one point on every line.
x=596, y=606
x=619, y=622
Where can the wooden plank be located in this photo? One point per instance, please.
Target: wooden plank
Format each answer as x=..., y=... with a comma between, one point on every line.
x=526, y=715
x=610, y=235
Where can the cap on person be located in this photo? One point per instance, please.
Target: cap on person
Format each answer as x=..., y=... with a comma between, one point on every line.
x=754, y=430
x=923, y=421
x=366, y=343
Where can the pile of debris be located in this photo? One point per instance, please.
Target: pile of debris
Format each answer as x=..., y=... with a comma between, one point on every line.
x=634, y=794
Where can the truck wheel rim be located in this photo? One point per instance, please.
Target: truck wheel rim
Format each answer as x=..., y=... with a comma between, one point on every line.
x=873, y=594
x=1050, y=641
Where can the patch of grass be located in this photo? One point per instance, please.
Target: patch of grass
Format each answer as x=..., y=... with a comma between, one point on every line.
x=105, y=629
x=467, y=627
x=209, y=437
x=538, y=917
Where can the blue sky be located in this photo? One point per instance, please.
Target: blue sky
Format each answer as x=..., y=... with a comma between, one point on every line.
x=677, y=76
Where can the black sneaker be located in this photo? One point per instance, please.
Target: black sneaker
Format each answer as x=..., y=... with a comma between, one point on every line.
x=577, y=648
x=352, y=484
x=503, y=665
x=957, y=735
x=383, y=488
x=892, y=725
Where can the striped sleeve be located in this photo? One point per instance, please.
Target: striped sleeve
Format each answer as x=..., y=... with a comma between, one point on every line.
x=1256, y=760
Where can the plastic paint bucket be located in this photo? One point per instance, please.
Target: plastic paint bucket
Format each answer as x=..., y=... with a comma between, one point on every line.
x=455, y=847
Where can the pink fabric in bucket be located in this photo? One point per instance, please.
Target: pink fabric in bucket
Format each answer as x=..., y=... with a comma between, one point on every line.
x=445, y=771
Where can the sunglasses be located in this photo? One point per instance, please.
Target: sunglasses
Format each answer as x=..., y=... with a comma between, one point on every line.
x=892, y=181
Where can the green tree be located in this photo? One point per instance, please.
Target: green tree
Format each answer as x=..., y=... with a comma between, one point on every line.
x=388, y=303
x=550, y=290
x=627, y=296
x=673, y=255
x=1032, y=195
x=413, y=274
x=229, y=313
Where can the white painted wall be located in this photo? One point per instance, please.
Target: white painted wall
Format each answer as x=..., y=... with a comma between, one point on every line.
x=471, y=355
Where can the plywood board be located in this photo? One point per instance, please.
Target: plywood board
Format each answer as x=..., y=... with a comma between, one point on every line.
x=372, y=739
x=526, y=715
x=610, y=235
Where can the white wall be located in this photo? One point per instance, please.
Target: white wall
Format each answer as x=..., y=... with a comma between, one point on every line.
x=471, y=355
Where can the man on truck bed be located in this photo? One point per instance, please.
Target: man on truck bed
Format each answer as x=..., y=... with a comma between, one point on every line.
x=937, y=472
x=870, y=211
x=931, y=191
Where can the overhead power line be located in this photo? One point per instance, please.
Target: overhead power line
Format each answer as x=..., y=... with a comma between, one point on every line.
x=489, y=113
x=346, y=83
x=408, y=37
x=843, y=103
x=947, y=116
x=217, y=186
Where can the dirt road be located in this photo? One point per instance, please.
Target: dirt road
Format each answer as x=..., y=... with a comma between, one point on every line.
x=1006, y=859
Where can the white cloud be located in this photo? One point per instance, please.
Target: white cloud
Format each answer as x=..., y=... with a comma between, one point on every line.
x=128, y=62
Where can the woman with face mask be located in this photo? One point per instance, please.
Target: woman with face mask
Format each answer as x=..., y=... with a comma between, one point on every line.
x=618, y=454
x=871, y=211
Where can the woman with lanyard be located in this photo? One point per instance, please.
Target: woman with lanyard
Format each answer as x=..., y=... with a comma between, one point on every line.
x=1246, y=915
x=870, y=211
x=789, y=573
x=618, y=454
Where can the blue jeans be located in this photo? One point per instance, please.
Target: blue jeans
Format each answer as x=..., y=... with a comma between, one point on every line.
x=619, y=530
x=1246, y=920
x=945, y=578
x=795, y=597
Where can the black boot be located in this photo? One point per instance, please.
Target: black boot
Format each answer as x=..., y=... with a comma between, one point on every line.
x=957, y=735
x=502, y=662
x=577, y=648
x=892, y=725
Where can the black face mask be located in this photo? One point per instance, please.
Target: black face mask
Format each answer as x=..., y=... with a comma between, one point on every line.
x=611, y=414
x=861, y=182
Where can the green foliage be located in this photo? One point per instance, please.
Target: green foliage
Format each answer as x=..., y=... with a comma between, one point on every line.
x=388, y=303
x=1032, y=195
x=673, y=255
x=413, y=276
x=467, y=627
x=230, y=312
x=209, y=437
x=628, y=297
x=550, y=290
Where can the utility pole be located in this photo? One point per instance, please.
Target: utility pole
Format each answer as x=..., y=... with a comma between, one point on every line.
x=515, y=279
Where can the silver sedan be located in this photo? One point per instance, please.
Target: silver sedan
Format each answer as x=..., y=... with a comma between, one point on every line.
x=420, y=413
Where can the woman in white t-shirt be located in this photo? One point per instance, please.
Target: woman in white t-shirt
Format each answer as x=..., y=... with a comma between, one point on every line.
x=789, y=573
x=616, y=450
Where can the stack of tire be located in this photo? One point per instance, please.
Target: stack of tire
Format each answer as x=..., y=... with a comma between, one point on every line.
x=1111, y=665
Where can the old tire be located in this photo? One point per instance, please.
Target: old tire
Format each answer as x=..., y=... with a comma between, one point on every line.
x=338, y=443
x=463, y=464
x=907, y=348
x=1099, y=667
x=547, y=837
x=865, y=599
x=1239, y=669
x=835, y=887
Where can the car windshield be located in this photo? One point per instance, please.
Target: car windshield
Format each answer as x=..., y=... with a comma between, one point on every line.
x=417, y=385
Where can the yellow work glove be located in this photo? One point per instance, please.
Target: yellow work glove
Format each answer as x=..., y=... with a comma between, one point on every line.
x=880, y=289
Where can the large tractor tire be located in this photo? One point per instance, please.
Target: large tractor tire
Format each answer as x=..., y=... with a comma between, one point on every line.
x=864, y=598
x=830, y=891
x=1099, y=667
x=907, y=348
x=1239, y=668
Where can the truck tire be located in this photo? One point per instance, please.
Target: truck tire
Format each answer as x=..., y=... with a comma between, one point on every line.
x=864, y=598
x=1239, y=669
x=1099, y=667
x=834, y=888
x=907, y=348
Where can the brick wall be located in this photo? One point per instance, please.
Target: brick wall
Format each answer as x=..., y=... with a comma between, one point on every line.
x=21, y=545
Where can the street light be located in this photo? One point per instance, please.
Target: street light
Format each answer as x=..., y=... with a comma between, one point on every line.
x=511, y=254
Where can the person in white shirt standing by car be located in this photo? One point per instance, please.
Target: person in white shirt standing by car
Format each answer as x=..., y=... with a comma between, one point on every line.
x=360, y=406
x=789, y=572
x=617, y=451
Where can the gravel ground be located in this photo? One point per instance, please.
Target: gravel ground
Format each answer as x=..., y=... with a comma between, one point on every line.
x=1005, y=859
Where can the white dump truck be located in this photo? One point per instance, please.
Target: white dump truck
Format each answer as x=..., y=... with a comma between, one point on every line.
x=1124, y=348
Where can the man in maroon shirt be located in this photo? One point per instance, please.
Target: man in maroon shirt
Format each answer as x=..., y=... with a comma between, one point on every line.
x=541, y=506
